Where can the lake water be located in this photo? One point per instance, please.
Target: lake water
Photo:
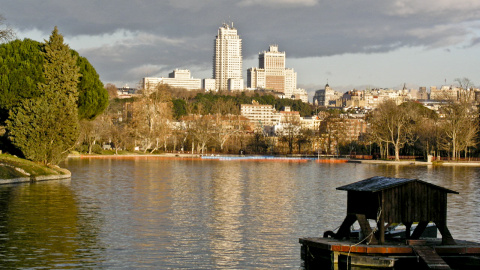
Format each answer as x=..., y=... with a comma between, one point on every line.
x=196, y=214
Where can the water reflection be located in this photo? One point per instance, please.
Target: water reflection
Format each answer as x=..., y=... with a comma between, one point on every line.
x=170, y=214
x=34, y=234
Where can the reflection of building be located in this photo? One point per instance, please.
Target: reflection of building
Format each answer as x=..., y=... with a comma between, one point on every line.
x=227, y=60
x=179, y=78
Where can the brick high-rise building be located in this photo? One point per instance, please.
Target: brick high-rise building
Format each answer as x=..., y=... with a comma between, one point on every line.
x=272, y=74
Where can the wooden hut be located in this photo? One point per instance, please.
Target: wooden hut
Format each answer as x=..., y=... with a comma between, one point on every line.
x=395, y=200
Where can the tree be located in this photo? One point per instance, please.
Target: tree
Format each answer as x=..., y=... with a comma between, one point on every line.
x=5, y=33
x=92, y=96
x=112, y=90
x=466, y=89
x=151, y=115
x=459, y=127
x=22, y=70
x=290, y=130
x=45, y=128
x=200, y=130
x=391, y=123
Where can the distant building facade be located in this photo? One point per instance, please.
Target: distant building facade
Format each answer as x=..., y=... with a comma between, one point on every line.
x=260, y=114
x=271, y=74
x=208, y=84
x=227, y=60
x=179, y=78
x=326, y=97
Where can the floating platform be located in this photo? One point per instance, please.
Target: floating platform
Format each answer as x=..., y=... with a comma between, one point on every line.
x=318, y=253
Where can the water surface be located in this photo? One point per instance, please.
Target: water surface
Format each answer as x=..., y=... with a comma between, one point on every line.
x=170, y=214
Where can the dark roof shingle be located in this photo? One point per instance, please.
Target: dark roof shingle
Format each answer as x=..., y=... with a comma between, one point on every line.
x=378, y=183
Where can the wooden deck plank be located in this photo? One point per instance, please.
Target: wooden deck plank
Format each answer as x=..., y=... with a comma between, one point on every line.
x=430, y=257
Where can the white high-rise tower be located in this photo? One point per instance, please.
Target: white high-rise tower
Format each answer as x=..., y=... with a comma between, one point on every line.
x=227, y=60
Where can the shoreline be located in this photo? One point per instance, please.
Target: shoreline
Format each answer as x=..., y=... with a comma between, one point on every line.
x=15, y=170
x=185, y=156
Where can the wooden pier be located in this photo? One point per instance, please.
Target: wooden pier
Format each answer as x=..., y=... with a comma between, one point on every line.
x=386, y=201
x=316, y=252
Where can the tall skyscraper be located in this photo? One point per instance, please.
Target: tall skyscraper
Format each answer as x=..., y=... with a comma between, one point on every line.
x=227, y=60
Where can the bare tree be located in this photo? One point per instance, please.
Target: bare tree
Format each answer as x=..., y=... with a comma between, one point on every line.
x=151, y=116
x=290, y=130
x=459, y=126
x=200, y=128
x=466, y=93
x=112, y=90
x=392, y=123
x=5, y=33
x=91, y=132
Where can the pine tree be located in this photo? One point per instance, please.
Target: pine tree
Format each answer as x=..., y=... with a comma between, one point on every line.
x=45, y=128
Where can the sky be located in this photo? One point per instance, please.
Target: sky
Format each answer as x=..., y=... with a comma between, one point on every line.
x=347, y=44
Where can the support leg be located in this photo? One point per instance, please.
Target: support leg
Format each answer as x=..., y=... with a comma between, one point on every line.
x=447, y=238
x=366, y=230
x=422, y=225
x=344, y=231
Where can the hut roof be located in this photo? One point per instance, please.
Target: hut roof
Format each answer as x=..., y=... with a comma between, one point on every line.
x=378, y=183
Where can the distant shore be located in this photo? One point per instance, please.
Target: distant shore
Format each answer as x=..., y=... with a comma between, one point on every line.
x=250, y=157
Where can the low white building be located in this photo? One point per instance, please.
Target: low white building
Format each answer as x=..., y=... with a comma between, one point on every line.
x=179, y=78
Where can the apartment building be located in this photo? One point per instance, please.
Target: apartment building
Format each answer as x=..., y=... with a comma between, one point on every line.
x=227, y=60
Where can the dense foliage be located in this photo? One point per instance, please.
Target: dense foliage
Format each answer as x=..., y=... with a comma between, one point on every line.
x=45, y=127
x=92, y=96
x=223, y=103
x=22, y=71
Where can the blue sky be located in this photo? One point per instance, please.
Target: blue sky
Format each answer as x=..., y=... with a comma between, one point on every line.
x=352, y=44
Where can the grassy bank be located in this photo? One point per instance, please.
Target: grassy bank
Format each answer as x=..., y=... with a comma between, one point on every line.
x=12, y=167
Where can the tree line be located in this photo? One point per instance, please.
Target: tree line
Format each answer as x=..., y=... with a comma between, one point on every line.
x=170, y=119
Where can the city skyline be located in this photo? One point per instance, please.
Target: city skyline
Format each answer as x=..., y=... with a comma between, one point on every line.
x=349, y=45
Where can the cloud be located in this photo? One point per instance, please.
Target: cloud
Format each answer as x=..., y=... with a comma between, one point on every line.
x=123, y=38
x=278, y=3
x=464, y=8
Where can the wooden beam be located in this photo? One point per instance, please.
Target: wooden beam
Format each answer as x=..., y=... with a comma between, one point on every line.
x=447, y=238
x=366, y=230
x=417, y=233
x=344, y=230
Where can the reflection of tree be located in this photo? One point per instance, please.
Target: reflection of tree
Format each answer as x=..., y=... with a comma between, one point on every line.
x=42, y=227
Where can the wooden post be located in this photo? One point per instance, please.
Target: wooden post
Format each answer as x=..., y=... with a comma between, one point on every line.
x=381, y=221
x=408, y=227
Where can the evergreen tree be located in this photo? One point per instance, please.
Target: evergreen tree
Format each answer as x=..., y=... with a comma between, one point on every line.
x=21, y=71
x=92, y=96
x=45, y=128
